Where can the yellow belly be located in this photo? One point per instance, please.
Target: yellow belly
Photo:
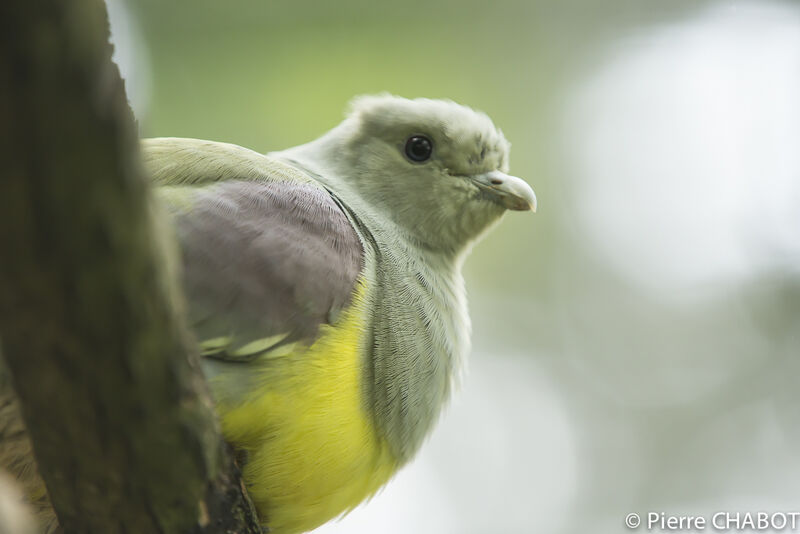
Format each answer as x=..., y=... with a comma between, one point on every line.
x=313, y=453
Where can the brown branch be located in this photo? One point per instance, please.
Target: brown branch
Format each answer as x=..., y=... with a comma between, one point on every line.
x=111, y=394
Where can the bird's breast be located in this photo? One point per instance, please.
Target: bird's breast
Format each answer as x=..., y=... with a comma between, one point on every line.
x=419, y=336
x=313, y=450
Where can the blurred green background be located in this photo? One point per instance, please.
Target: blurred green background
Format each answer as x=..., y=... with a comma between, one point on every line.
x=637, y=341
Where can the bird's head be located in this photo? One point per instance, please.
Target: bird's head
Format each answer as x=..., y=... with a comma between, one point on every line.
x=436, y=169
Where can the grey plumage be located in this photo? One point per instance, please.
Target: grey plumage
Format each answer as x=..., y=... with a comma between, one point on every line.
x=266, y=258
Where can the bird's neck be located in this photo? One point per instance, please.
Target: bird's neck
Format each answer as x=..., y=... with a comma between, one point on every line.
x=419, y=337
x=418, y=331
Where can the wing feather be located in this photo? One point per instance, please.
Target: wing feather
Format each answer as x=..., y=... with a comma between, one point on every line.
x=268, y=254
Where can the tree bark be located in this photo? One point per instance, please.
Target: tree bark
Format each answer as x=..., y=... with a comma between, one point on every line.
x=107, y=378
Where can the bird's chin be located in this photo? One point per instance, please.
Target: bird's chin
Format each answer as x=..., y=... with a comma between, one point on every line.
x=485, y=212
x=492, y=219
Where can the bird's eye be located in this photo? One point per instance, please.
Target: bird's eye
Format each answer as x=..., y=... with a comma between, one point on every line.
x=418, y=148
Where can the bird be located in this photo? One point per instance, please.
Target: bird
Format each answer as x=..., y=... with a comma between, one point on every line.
x=323, y=285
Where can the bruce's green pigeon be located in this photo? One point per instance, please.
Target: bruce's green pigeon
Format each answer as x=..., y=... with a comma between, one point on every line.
x=324, y=286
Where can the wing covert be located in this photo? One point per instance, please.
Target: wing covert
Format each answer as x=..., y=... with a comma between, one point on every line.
x=266, y=258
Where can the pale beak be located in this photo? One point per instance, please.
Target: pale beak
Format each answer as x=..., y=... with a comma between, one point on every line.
x=509, y=191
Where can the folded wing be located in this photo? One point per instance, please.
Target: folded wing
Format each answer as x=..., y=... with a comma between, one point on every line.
x=267, y=253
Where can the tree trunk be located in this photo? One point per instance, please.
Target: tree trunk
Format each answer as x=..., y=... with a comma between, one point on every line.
x=107, y=378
